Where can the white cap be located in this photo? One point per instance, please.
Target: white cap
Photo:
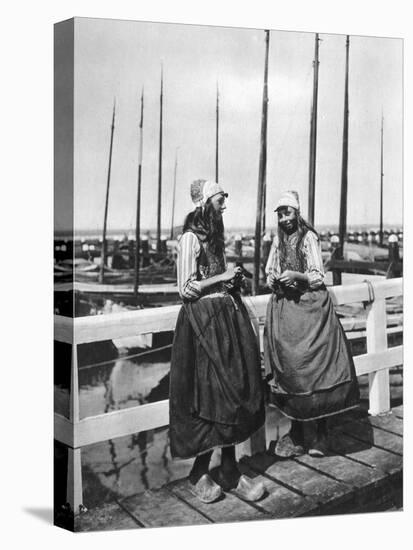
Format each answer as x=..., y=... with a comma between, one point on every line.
x=288, y=198
x=202, y=190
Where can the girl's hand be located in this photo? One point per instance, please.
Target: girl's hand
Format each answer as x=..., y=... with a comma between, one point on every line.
x=230, y=274
x=287, y=278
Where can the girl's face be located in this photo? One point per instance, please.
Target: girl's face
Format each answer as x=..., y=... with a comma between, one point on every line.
x=218, y=204
x=287, y=219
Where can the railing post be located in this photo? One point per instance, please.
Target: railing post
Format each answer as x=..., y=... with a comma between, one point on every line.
x=379, y=382
x=74, y=489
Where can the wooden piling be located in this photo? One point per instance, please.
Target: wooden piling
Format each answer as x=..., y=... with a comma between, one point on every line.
x=238, y=246
x=145, y=251
x=336, y=254
x=394, y=269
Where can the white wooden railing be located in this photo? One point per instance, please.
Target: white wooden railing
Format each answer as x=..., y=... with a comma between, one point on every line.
x=75, y=433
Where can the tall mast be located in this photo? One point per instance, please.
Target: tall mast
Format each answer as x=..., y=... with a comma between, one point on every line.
x=158, y=229
x=138, y=204
x=103, y=252
x=174, y=193
x=344, y=167
x=313, y=136
x=264, y=207
x=381, y=184
x=262, y=171
x=217, y=137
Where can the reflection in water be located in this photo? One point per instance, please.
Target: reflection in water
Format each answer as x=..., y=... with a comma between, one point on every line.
x=130, y=384
x=141, y=461
x=123, y=383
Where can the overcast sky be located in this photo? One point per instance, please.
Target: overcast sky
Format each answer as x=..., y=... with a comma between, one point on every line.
x=117, y=58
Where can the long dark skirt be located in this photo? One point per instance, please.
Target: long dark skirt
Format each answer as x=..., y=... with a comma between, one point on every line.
x=306, y=349
x=216, y=393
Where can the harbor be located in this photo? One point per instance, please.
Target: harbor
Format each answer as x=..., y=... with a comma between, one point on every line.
x=363, y=255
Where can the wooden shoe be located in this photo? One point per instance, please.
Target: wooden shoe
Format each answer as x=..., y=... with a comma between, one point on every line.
x=287, y=448
x=248, y=489
x=206, y=489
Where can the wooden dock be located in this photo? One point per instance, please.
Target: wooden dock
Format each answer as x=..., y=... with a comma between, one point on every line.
x=372, y=443
x=362, y=473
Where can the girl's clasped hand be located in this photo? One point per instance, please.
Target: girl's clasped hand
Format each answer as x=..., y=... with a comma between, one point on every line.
x=233, y=278
x=286, y=278
x=231, y=274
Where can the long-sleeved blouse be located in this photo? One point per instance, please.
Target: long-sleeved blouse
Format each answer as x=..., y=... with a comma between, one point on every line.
x=312, y=254
x=189, y=250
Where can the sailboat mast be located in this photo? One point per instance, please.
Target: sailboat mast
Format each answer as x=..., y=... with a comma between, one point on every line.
x=313, y=136
x=158, y=229
x=262, y=171
x=174, y=193
x=264, y=207
x=344, y=167
x=104, y=247
x=217, y=138
x=138, y=205
x=264, y=198
x=381, y=184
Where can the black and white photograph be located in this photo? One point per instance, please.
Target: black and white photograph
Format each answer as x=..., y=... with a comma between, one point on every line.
x=228, y=274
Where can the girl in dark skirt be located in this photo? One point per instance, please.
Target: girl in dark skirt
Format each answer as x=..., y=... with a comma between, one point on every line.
x=305, y=347
x=216, y=394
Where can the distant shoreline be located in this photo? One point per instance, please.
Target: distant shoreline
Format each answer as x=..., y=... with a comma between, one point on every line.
x=130, y=233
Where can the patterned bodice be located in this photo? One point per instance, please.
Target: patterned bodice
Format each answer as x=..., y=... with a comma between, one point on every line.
x=210, y=264
x=292, y=260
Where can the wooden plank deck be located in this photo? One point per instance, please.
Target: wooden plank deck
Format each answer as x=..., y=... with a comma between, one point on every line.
x=362, y=473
